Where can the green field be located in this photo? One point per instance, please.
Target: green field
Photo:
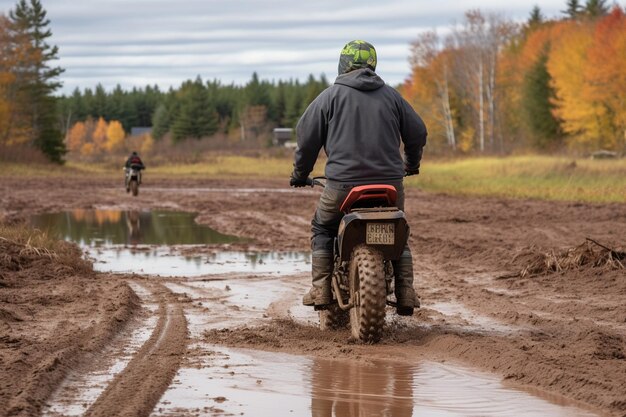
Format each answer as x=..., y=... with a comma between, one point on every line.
x=534, y=177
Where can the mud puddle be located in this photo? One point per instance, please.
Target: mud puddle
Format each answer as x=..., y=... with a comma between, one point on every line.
x=145, y=242
x=165, y=262
x=129, y=227
x=247, y=382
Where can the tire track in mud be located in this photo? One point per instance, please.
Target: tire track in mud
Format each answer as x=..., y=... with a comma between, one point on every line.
x=137, y=389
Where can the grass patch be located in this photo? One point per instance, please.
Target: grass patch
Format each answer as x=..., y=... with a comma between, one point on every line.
x=21, y=246
x=534, y=177
x=230, y=166
x=23, y=235
x=236, y=167
x=34, y=170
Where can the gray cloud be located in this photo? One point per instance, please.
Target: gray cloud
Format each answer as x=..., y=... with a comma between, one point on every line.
x=140, y=42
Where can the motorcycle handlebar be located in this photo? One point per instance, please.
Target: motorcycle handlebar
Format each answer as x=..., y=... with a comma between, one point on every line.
x=312, y=182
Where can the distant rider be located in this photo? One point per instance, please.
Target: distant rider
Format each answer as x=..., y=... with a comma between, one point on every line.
x=360, y=122
x=133, y=162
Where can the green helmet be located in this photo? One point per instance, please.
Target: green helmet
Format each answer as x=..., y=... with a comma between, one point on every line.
x=355, y=55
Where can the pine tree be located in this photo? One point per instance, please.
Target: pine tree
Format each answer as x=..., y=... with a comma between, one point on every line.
x=161, y=122
x=38, y=82
x=115, y=104
x=573, y=9
x=100, y=102
x=537, y=104
x=294, y=104
x=536, y=18
x=313, y=89
x=196, y=117
x=256, y=92
x=279, y=104
x=596, y=8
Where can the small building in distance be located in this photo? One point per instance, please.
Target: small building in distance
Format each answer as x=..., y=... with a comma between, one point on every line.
x=282, y=135
x=140, y=131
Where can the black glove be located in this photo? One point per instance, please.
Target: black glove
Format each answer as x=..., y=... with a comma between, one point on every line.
x=409, y=172
x=297, y=182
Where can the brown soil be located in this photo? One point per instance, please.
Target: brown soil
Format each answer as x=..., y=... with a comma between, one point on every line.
x=148, y=380
x=54, y=313
x=563, y=331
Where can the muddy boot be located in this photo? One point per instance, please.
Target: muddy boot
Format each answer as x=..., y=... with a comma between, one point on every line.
x=406, y=298
x=322, y=269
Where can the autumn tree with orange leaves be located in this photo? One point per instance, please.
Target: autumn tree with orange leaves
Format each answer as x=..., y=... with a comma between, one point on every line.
x=96, y=138
x=605, y=74
x=494, y=86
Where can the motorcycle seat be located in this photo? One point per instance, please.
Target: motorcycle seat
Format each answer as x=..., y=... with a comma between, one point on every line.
x=374, y=195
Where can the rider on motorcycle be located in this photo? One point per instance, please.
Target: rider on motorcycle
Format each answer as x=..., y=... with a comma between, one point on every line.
x=359, y=121
x=133, y=162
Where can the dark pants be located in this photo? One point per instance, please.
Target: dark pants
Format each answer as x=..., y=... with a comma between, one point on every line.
x=138, y=168
x=325, y=223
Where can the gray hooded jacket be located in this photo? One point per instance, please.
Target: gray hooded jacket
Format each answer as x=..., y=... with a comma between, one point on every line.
x=360, y=121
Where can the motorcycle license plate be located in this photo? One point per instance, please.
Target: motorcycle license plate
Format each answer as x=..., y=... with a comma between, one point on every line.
x=380, y=234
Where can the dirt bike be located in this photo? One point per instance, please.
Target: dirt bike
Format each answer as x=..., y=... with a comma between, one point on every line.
x=133, y=179
x=372, y=233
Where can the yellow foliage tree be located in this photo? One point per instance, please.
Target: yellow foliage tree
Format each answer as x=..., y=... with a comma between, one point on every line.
x=581, y=117
x=100, y=135
x=88, y=149
x=115, y=136
x=606, y=77
x=76, y=137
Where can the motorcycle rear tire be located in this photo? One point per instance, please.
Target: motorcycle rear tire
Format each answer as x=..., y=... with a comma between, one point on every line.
x=334, y=318
x=134, y=187
x=367, y=276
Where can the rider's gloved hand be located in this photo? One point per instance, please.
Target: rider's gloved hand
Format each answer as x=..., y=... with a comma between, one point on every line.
x=297, y=182
x=409, y=172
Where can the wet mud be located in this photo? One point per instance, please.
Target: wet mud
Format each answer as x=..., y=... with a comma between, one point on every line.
x=561, y=335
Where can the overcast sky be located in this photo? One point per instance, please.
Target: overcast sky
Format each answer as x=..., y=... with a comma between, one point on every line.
x=165, y=42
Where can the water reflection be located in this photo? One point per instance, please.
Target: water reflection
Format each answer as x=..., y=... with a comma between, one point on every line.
x=278, y=384
x=133, y=223
x=160, y=261
x=384, y=388
x=130, y=227
x=353, y=390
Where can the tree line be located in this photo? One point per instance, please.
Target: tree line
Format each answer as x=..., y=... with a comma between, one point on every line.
x=198, y=109
x=489, y=85
x=492, y=85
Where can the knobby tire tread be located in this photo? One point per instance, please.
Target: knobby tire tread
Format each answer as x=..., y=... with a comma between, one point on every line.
x=334, y=318
x=367, y=319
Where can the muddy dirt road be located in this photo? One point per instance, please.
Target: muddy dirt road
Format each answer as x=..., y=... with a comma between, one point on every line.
x=223, y=342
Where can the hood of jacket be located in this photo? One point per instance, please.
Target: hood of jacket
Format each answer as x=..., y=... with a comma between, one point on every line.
x=362, y=79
